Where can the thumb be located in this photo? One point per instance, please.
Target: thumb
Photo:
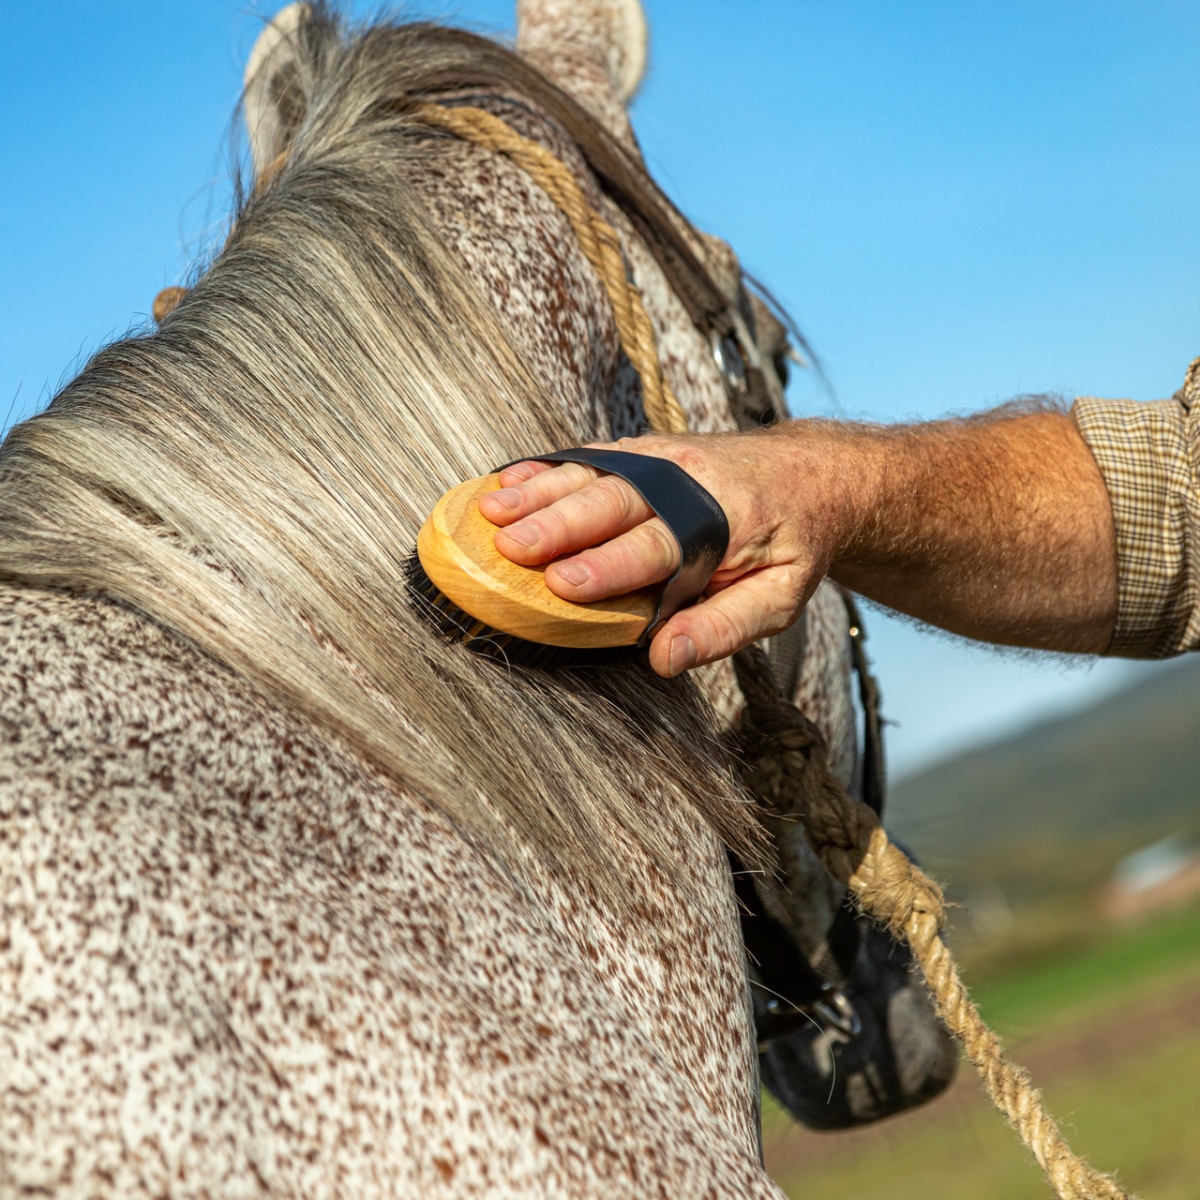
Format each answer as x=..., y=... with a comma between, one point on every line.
x=754, y=607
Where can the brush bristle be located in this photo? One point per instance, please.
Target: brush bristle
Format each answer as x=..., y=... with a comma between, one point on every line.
x=460, y=627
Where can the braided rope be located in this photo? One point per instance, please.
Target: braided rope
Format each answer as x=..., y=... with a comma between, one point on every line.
x=784, y=765
x=782, y=751
x=596, y=237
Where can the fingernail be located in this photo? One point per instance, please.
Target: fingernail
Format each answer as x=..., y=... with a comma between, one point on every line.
x=522, y=534
x=683, y=655
x=508, y=497
x=522, y=471
x=575, y=573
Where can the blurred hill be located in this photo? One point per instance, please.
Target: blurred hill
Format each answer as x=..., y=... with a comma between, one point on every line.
x=1030, y=825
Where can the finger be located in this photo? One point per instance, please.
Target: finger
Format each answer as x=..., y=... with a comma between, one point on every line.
x=603, y=509
x=757, y=606
x=523, y=471
x=541, y=488
x=526, y=469
x=644, y=555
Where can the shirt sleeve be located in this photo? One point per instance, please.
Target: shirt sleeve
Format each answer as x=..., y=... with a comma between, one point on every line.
x=1149, y=455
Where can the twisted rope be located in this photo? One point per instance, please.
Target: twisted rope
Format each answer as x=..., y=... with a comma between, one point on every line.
x=596, y=237
x=784, y=765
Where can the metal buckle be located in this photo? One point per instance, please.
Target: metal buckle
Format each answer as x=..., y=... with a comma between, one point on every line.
x=831, y=1012
x=729, y=362
x=835, y=1007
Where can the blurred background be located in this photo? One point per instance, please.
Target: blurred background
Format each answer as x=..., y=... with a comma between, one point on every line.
x=959, y=204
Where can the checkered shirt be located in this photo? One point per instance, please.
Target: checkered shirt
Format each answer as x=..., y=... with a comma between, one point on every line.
x=1149, y=455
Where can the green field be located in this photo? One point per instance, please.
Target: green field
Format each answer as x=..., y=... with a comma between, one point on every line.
x=1122, y=1079
x=1125, y=966
x=1138, y=1119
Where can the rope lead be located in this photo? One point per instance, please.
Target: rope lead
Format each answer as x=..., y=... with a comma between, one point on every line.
x=597, y=239
x=784, y=766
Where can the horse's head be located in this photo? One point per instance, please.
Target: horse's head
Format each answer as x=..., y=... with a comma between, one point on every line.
x=723, y=350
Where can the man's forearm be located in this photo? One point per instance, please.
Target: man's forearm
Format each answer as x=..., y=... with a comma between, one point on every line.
x=997, y=528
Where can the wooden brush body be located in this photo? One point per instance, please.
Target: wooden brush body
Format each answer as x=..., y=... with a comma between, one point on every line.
x=456, y=548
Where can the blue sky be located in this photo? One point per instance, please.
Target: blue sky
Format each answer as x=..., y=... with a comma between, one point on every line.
x=959, y=203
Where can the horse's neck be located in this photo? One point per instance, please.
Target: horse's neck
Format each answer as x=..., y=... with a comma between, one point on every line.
x=518, y=248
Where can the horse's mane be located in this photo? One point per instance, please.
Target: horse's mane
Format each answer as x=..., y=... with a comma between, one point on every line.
x=252, y=475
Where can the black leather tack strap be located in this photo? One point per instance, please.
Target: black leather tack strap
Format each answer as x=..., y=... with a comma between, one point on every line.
x=874, y=772
x=695, y=520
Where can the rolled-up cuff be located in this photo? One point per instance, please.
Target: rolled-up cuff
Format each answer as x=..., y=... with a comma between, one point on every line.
x=1147, y=454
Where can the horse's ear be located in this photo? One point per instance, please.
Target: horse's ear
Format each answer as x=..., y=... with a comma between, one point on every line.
x=611, y=33
x=629, y=40
x=273, y=100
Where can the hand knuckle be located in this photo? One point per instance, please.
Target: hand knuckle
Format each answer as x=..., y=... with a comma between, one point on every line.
x=728, y=631
x=660, y=542
x=577, y=475
x=552, y=524
x=610, y=490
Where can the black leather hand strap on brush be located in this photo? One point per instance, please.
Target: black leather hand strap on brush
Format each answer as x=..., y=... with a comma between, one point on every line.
x=695, y=520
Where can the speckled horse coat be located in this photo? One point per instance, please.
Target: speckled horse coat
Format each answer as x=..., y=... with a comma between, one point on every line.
x=237, y=960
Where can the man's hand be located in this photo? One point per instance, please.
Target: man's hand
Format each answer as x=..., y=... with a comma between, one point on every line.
x=614, y=544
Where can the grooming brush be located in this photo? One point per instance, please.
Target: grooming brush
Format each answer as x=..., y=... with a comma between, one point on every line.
x=474, y=595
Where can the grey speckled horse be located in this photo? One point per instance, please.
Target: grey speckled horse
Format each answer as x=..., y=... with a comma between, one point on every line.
x=295, y=899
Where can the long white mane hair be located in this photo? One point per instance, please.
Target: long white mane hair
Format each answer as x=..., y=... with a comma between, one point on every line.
x=252, y=475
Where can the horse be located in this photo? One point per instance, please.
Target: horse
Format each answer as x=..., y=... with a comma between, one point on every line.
x=298, y=898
